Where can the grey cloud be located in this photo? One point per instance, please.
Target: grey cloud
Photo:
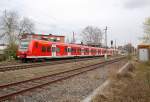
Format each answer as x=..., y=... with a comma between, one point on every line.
x=132, y=4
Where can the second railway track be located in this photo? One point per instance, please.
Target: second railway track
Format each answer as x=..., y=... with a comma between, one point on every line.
x=16, y=88
x=31, y=65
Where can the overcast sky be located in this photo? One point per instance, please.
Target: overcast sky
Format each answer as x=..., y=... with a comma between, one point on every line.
x=124, y=18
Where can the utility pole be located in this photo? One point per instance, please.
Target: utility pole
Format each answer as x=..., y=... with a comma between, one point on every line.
x=105, y=56
x=73, y=40
x=106, y=36
x=115, y=43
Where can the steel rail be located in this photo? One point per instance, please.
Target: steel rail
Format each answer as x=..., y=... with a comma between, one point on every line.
x=53, y=78
x=7, y=64
x=25, y=66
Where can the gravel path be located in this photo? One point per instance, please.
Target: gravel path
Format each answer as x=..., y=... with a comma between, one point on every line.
x=73, y=89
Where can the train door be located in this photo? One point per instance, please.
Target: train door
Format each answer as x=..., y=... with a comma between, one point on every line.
x=69, y=51
x=53, y=50
x=82, y=51
x=90, y=52
x=96, y=52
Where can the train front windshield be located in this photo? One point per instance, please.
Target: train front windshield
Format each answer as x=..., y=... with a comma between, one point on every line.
x=24, y=45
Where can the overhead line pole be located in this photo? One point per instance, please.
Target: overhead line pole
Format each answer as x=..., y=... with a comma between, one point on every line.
x=73, y=38
x=106, y=42
x=106, y=36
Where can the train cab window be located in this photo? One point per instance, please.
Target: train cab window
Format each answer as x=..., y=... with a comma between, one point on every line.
x=48, y=49
x=43, y=49
x=53, y=49
x=24, y=45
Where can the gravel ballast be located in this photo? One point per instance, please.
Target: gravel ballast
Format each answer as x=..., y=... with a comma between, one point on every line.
x=24, y=74
x=73, y=89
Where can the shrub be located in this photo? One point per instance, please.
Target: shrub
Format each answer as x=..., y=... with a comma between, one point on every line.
x=11, y=52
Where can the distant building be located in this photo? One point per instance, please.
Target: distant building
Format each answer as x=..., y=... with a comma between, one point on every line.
x=50, y=37
x=2, y=47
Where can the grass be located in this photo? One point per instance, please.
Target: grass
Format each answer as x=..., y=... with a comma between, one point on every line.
x=129, y=89
x=138, y=88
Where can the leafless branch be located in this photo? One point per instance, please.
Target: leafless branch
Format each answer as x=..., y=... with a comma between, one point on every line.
x=92, y=35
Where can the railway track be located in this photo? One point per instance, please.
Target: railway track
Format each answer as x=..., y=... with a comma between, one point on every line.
x=31, y=65
x=7, y=64
x=12, y=89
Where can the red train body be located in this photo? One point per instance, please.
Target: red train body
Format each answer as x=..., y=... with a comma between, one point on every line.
x=35, y=49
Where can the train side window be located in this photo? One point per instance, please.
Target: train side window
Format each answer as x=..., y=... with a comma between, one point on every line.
x=48, y=49
x=87, y=50
x=43, y=49
x=53, y=49
x=99, y=51
x=36, y=44
x=79, y=50
x=57, y=49
x=69, y=50
x=75, y=50
x=82, y=50
x=72, y=49
x=66, y=49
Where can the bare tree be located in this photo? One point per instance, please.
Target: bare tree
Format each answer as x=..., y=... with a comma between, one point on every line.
x=8, y=26
x=26, y=25
x=11, y=26
x=129, y=48
x=92, y=35
x=146, y=36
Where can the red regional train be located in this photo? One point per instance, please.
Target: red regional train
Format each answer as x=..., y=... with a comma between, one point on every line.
x=41, y=49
